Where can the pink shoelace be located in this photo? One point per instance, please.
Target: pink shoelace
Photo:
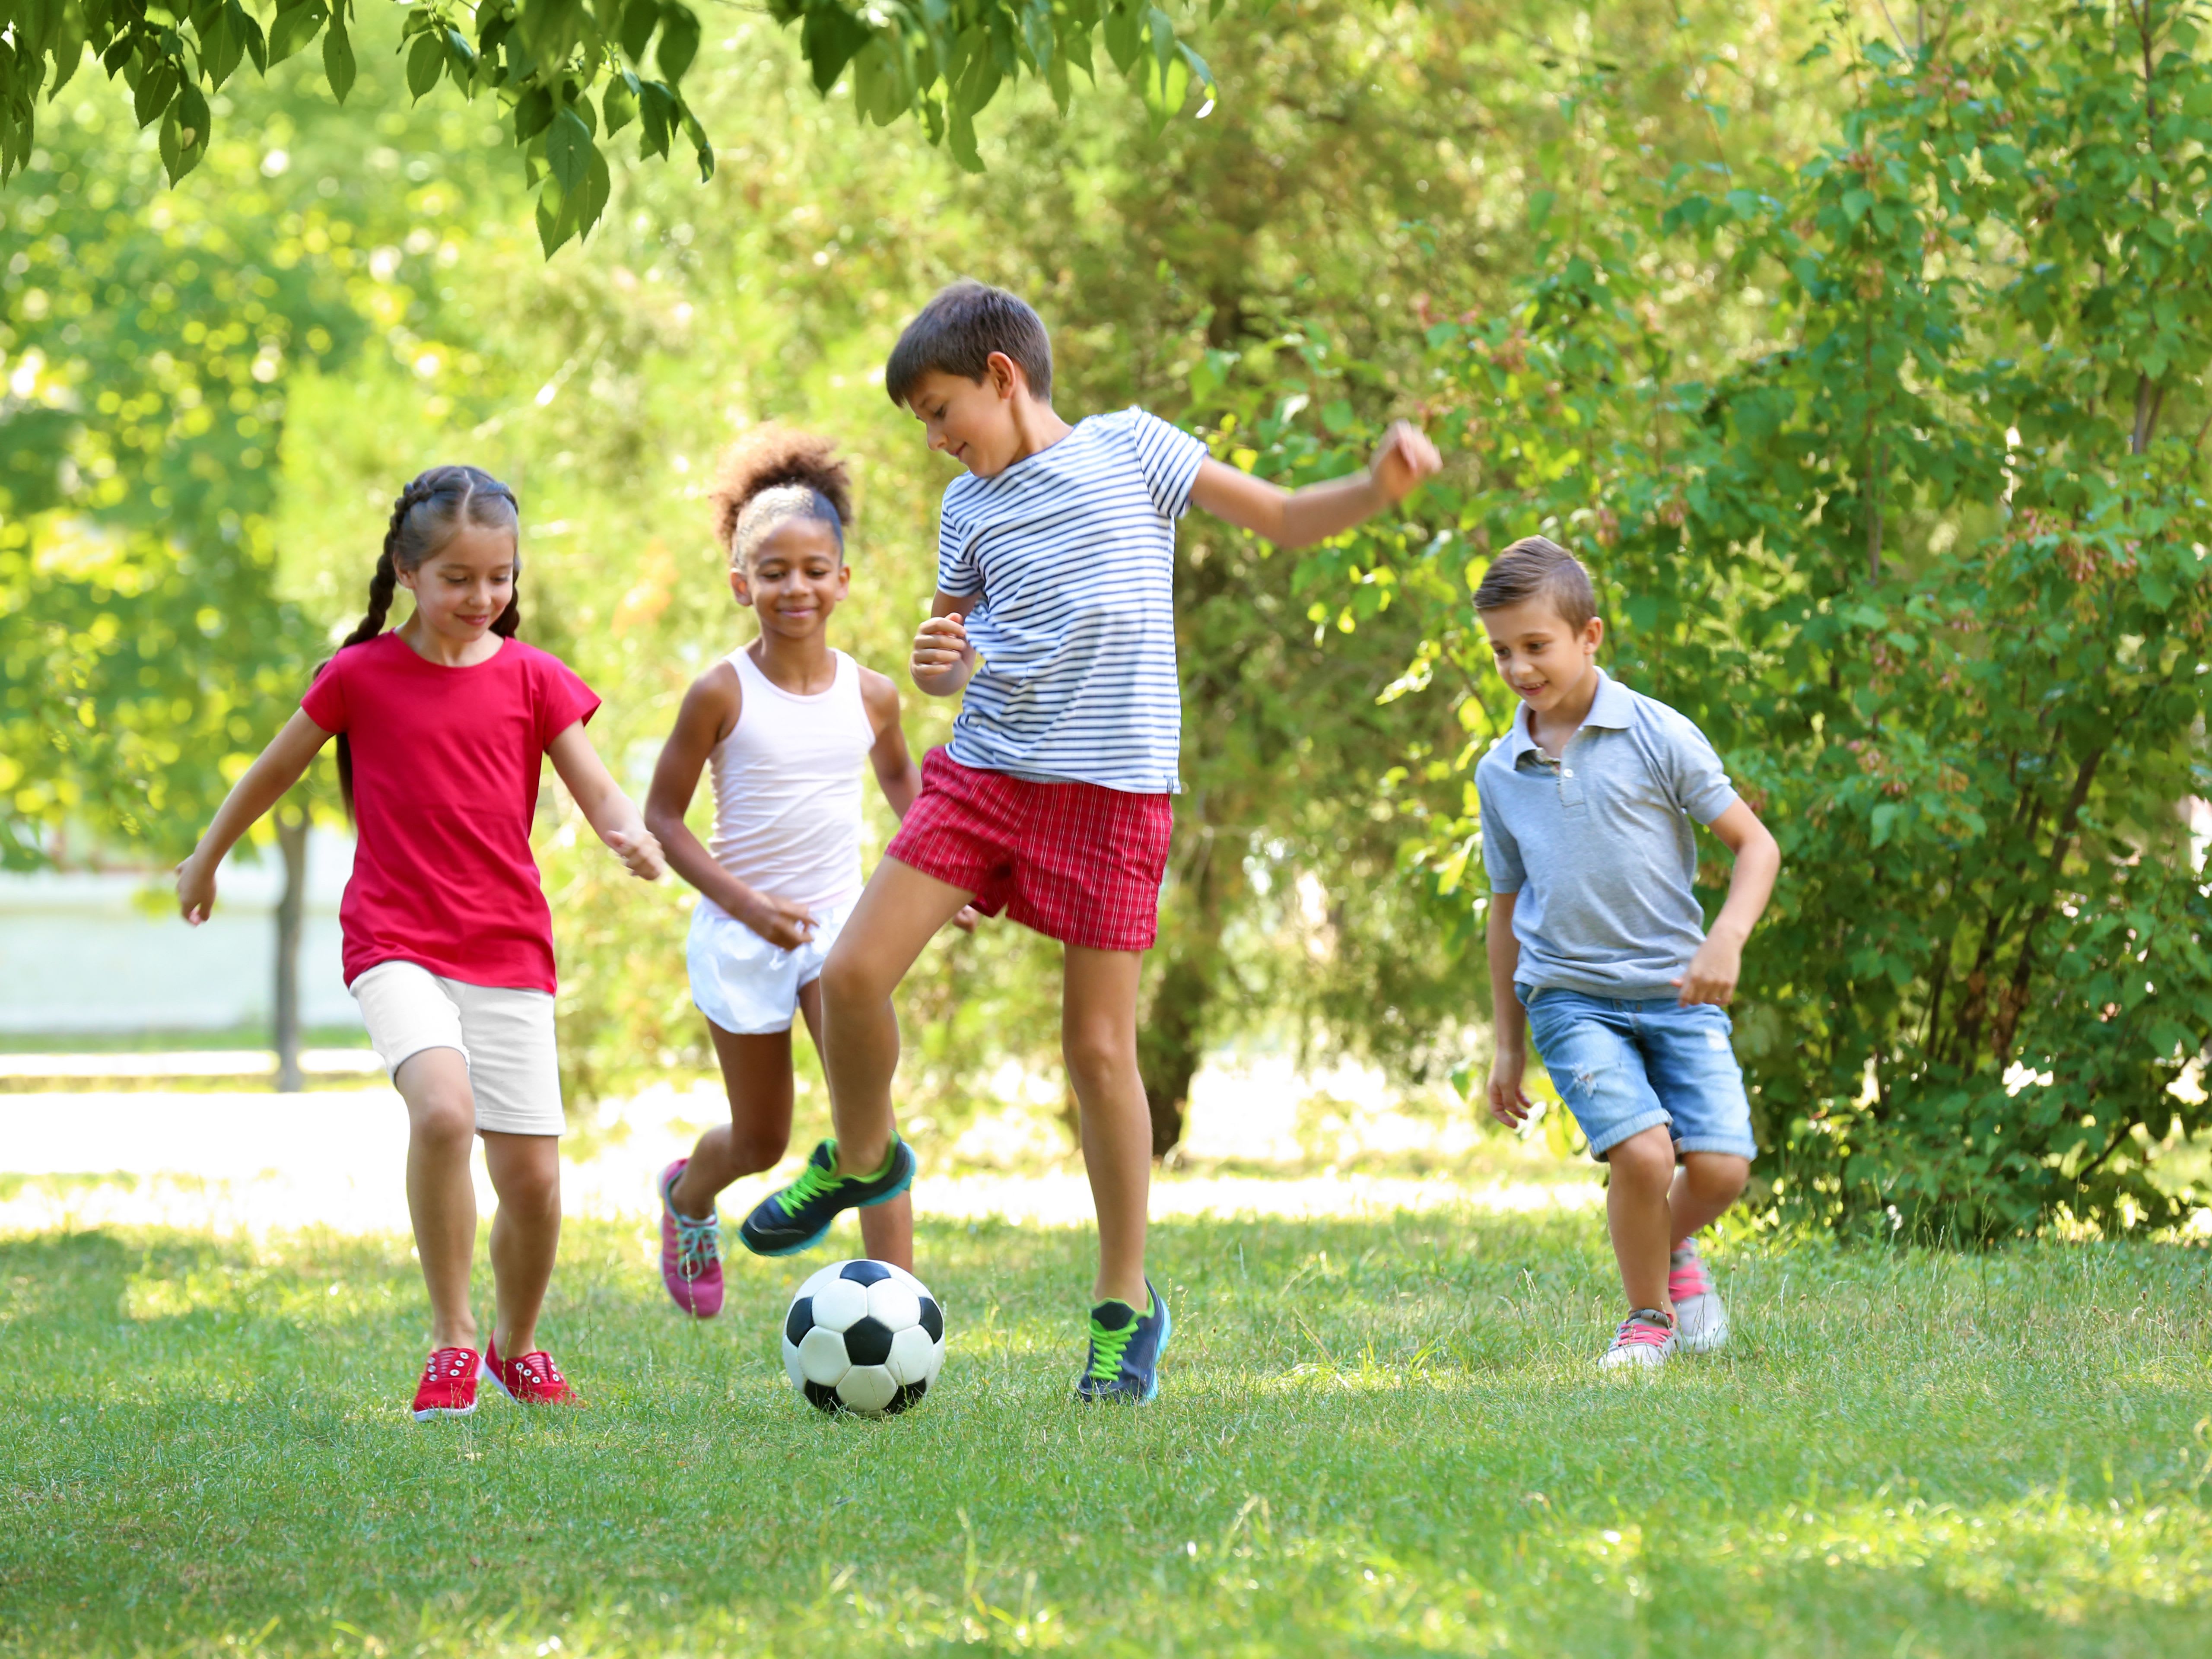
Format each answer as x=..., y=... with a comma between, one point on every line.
x=1643, y=1329
x=1688, y=1277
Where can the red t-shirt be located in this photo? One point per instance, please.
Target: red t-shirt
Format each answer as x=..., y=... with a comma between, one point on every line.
x=445, y=780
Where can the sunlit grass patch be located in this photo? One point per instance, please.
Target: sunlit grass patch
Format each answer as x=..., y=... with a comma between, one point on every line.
x=1376, y=1437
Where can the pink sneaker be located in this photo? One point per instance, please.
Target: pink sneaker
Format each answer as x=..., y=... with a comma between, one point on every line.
x=690, y=1252
x=1701, y=1318
x=1644, y=1340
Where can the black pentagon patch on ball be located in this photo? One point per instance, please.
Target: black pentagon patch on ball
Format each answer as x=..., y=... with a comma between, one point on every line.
x=864, y=1272
x=824, y=1397
x=907, y=1394
x=799, y=1320
x=932, y=1321
x=868, y=1342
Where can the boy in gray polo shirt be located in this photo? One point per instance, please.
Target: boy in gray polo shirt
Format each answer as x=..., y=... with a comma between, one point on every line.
x=1598, y=946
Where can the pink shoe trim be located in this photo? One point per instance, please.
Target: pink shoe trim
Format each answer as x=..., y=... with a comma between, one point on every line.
x=1638, y=1329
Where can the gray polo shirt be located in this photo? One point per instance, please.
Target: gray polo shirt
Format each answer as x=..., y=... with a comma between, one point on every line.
x=1598, y=844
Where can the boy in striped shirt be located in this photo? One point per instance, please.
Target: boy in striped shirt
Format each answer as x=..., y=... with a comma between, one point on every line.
x=1055, y=612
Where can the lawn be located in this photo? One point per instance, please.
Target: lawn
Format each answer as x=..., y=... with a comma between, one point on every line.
x=1374, y=1438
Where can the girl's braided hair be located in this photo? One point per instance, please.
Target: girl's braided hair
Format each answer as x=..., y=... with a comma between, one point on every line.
x=434, y=505
x=774, y=474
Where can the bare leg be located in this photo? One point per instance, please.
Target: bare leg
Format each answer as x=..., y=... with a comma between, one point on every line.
x=756, y=1073
x=441, y=1198
x=1707, y=1183
x=1098, y=1037
x=1635, y=1211
x=526, y=1233
x=899, y=913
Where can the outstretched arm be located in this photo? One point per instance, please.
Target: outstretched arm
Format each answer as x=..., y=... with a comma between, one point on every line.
x=275, y=770
x=1712, y=973
x=1297, y=518
x=612, y=814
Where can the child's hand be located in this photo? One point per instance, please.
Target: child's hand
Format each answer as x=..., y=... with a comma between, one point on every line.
x=1712, y=973
x=785, y=923
x=1507, y=1103
x=640, y=851
x=195, y=890
x=968, y=916
x=941, y=648
x=1402, y=459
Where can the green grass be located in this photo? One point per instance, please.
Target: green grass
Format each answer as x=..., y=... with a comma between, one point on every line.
x=1375, y=1439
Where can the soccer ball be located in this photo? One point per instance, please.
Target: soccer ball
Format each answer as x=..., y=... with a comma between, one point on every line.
x=863, y=1337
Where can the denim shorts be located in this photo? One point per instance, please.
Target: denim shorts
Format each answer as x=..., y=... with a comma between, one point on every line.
x=1627, y=1064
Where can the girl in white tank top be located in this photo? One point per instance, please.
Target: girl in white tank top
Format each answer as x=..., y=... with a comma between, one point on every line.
x=786, y=723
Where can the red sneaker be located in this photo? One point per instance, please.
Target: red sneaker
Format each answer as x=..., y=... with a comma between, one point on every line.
x=532, y=1380
x=448, y=1388
x=690, y=1252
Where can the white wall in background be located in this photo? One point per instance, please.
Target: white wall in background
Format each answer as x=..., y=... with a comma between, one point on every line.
x=82, y=951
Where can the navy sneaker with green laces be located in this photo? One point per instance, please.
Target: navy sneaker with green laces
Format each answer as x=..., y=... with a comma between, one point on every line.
x=1125, y=1346
x=796, y=1218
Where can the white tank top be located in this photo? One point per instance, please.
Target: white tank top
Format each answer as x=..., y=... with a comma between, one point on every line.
x=788, y=787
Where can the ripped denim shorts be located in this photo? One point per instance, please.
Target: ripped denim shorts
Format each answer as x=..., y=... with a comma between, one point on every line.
x=1627, y=1064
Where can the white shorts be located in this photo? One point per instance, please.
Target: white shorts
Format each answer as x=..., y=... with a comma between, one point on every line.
x=744, y=983
x=505, y=1034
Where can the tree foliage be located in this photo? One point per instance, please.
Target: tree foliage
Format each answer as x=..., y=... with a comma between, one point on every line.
x=1928, y=559
x=570, y=74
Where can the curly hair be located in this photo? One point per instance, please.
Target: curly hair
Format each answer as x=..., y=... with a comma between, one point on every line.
x=773, y=474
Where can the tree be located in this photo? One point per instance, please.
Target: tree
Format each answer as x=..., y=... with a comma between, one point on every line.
x=1926, y=557
x=568, y=75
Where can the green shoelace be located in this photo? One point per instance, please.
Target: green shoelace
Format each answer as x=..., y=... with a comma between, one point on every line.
x=1107, y=1348
x=814, y=1182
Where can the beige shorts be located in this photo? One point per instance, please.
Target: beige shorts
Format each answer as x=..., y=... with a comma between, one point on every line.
x=504, y=1034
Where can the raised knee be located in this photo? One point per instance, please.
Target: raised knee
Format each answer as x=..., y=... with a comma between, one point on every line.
x=1717, y=1175
x=1098, y=1056
x=848, y=979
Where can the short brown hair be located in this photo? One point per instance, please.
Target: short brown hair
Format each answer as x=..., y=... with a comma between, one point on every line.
x=957, y=332
x=1536, y=567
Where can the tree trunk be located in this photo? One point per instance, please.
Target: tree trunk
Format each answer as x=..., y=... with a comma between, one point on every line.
x=1169, y=1047
x=292, y=841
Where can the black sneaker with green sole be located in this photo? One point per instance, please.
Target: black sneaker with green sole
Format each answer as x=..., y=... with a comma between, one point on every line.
x=797, y=1219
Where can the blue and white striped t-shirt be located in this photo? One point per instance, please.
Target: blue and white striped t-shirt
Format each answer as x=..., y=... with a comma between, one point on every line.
x=1073, y=550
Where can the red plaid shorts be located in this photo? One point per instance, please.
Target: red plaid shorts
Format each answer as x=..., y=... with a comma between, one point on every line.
x=1079, y=862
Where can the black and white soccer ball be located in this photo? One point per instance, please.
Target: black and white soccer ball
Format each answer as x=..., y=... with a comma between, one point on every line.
x=863, y=1337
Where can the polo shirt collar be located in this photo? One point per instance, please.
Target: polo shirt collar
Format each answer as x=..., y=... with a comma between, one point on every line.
x=1613, y=708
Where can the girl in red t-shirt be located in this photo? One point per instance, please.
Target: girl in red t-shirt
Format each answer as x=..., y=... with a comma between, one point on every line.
x=441, y=724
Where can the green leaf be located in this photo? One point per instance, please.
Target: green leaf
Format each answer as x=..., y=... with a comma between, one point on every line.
x=337, y=60
x=569, y=151
x=1885, y=818
x=555, y=224
x=828, y=41
x=533, y=113
x=426, y=61
x=222, y=45
x=702, y=151
x=294, y=26
x=639, y=20
x=599, y=185
x=960, y=139
x=679, y=42
x=618, y=103
x=149, y=99
x=656, y=109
